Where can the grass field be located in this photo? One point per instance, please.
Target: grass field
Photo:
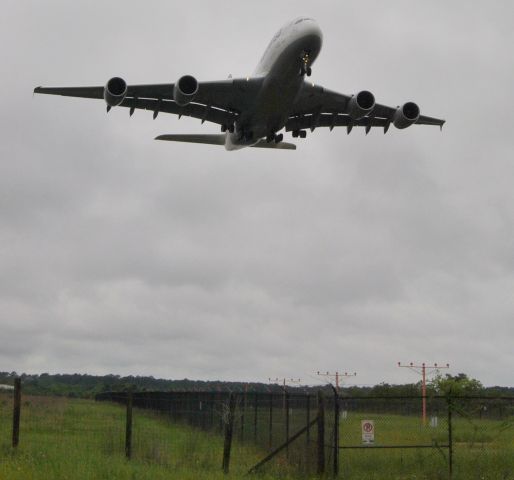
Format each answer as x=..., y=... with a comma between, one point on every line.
x=80, y=439
x=482, y=449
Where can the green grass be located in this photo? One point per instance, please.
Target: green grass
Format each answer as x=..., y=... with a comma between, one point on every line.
x=81, y=439
x=482, y=449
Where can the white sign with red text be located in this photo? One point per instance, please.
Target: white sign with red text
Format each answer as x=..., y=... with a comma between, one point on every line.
x=368, y=431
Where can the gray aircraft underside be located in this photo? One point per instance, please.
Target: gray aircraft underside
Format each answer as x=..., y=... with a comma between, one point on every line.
x=251, y=111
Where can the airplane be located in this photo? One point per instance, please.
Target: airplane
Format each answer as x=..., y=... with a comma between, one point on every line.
x=252, y=111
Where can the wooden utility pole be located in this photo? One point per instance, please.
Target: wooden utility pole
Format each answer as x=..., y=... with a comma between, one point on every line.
x=337, y=376
x=422, y=370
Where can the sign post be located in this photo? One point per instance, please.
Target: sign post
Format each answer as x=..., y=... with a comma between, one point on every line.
x=368, y=432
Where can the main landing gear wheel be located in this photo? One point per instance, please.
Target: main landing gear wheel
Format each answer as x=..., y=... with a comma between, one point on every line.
x=279, y=138
x=302, y=134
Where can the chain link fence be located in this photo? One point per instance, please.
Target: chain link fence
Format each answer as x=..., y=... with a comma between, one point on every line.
x=276, y=433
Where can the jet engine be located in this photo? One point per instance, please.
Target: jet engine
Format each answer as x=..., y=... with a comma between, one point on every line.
x=361, y=104
x=114, y=91
x=406, y=115
x=185, y=90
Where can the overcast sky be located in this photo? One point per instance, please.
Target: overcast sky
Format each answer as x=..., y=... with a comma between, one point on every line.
x=120, y=254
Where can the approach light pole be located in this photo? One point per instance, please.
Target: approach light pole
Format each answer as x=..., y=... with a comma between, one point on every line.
x=337, y=376
x=422, y=370
x=283, y=382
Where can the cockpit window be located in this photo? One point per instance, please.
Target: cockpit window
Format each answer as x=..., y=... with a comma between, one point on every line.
x=301, y=20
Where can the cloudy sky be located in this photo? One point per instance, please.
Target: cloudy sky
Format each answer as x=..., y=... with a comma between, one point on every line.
x=120, y=254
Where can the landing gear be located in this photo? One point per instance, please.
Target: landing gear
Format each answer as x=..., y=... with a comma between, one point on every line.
x=230, y=128
x=273, y=137
x=305, y=68
x=299, y=133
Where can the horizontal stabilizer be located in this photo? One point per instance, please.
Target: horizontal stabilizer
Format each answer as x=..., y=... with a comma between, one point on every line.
x=281, y=145
x=213, y=139
x=219, y=139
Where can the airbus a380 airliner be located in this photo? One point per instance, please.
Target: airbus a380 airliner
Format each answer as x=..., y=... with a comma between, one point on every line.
x=251, y=111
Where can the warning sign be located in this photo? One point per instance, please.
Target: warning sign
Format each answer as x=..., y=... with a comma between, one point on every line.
x=368, y=431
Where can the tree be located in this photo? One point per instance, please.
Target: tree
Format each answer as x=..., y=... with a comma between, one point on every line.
x=459, y=384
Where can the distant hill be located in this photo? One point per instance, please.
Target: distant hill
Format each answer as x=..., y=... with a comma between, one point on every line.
x=87, y=386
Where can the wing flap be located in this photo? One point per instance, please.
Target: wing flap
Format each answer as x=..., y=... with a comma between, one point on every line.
x=194, y=110
x=333, y=120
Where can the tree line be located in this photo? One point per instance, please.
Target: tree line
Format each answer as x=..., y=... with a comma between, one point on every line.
x=87, y=386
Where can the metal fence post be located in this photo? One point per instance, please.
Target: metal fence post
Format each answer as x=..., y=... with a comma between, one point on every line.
x=321, y=434
x=308, y=436
x=336, y=433
x=450, y=439
x=16, y=414
x=243, y=414
x=229, y=425
x=128, y=426
x=287, y=421
x=270, y=419
x=211, y=417
x=255, y=405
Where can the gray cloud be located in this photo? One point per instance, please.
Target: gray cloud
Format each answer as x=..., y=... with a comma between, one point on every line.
x=120, y=254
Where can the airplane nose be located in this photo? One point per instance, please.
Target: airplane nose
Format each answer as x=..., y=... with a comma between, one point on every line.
x=310, y=28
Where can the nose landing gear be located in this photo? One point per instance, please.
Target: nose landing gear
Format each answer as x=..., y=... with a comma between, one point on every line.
x=305, y=68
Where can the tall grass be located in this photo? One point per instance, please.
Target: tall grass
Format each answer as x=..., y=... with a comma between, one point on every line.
x=80, y=439
x=482, y=449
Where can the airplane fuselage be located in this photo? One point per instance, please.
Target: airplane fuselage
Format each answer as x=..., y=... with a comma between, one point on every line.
x=282, y=82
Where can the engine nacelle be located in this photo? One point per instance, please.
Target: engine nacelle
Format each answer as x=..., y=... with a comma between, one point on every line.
x=185, y=90
x=406, y=115
x=361, y=105
x=115, y=91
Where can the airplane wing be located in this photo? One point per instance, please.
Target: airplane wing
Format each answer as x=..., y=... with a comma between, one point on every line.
x=217, y=101
x=319, y=107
